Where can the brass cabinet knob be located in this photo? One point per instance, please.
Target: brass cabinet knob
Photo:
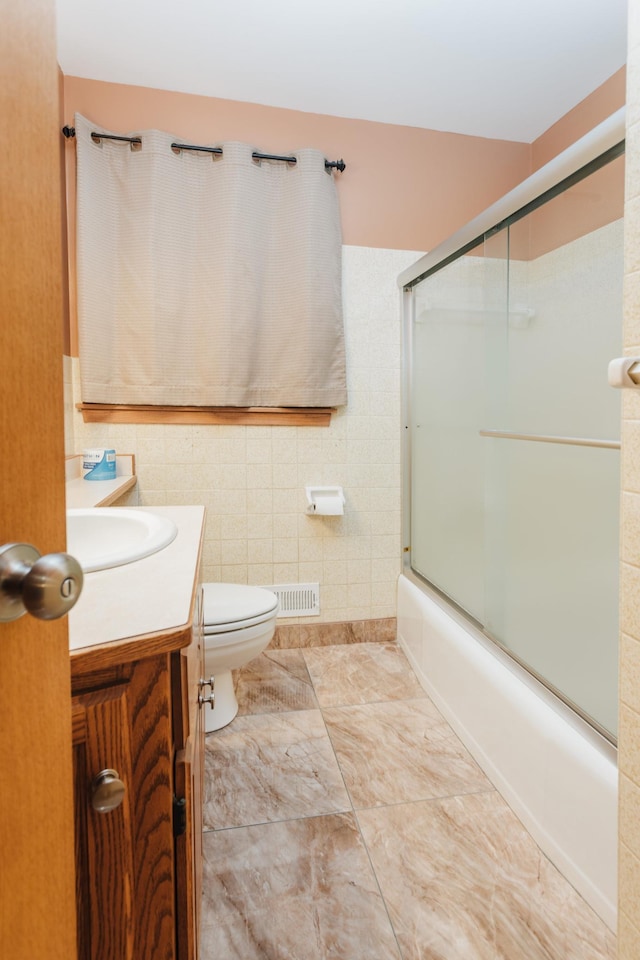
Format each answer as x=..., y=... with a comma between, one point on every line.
x=107, y=792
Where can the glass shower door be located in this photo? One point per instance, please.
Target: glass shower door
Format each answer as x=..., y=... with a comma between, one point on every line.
x=551, y=447
x=447, y=401
x=515, y=436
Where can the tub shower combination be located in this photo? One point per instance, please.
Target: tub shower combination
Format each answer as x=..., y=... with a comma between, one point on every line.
x=508, y=601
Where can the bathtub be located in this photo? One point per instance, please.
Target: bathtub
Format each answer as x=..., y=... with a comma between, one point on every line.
x=558, y=776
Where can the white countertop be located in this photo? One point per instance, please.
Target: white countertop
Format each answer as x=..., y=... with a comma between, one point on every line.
x=84, y=493
x=97, y=493
x=148, y=596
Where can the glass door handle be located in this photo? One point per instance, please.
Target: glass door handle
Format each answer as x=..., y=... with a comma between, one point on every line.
x=544, y=438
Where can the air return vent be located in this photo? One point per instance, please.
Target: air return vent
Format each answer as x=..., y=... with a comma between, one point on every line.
x=297, y=599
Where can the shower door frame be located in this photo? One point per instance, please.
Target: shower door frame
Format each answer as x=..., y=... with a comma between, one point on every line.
x=601, y=145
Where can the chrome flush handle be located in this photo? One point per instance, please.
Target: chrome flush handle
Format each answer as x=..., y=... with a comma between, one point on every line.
x=46, y=587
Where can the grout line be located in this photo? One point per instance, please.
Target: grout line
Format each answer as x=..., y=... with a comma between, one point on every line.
x=363, y=841
x=377, y=881
x=267, y=823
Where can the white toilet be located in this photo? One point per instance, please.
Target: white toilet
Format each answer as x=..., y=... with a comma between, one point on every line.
x=239, y=622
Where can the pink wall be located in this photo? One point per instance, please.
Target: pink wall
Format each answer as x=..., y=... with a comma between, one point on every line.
x=595, y=108
x=404, y=187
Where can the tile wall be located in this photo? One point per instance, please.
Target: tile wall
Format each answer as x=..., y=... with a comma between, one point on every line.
x=629, y=741
x=252, y=479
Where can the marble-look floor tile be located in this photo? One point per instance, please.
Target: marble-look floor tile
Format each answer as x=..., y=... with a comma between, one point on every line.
x=300, y=890
x=361, y=673
x=273, y=766
x=274, y=682
x=400, y=751
x=463, y=880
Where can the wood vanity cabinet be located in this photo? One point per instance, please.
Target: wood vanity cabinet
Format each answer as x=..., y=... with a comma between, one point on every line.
x=135, y=713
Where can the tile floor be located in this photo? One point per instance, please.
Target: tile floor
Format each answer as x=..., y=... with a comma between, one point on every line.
x=344, y=820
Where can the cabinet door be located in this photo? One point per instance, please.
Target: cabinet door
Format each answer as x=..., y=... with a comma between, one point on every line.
x=104, y=841
x=188, y=666
x=125, y=858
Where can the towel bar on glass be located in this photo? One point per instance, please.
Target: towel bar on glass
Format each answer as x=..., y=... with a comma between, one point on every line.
x=541, y=438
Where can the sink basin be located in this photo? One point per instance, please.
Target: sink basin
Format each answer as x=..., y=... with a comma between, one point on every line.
x=103, y=537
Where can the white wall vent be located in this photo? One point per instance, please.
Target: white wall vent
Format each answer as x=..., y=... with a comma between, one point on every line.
x=297, y=599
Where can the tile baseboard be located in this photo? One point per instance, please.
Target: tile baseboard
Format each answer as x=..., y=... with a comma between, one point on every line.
x=289, y=636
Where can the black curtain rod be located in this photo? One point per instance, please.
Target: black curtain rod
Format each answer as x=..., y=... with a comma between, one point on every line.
x=97, y=137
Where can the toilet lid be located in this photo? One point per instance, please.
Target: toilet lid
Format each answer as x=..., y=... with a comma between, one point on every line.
x=233, y=604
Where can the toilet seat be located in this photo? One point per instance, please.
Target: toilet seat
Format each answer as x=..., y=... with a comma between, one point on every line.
x=229, y=607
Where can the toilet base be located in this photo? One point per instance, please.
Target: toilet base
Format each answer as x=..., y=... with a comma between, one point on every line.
x=225, y=706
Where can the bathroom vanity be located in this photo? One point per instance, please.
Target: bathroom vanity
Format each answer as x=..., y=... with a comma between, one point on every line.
x=137, y=700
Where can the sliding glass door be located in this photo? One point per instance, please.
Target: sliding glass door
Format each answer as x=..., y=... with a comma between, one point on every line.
x=515, y=436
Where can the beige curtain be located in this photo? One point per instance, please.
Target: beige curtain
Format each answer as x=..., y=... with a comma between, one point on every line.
x=208, y=282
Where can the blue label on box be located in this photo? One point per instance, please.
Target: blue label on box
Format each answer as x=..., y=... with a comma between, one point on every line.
x=100, y=465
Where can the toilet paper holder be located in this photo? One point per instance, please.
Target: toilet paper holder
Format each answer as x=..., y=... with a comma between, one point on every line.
x=325, y=501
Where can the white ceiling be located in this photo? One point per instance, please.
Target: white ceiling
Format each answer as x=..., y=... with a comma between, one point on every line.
x=494, y=68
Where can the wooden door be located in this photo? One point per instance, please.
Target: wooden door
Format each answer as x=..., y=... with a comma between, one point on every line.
x=37, y=909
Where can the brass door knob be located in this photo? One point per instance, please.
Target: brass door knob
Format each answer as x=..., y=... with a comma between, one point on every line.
x=108, y=791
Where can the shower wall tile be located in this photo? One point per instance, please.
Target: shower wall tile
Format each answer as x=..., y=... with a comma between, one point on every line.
x=629, y=876
x=630, y=678
x=630, y=599
x=630, y=533
x=628, y=938
x=629, y=738
x=630, y=816
x=251, y=479
x=628, y=754
x=631, y=455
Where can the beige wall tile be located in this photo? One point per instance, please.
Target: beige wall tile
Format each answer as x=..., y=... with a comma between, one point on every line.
x=632, y=160
x=629, y=826
x=630, y=599
x=631, y=455
x=633, y=69
x=631, y=301
x=630, y=672
x=629, y=881
x=628, y=752
x=630, y=532
x=260, y=574
x=233, y=573
x=632, y=232
x=628, y=938
x=311, y=572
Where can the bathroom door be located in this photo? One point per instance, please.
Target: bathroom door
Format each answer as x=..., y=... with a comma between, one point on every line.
x=37, y=886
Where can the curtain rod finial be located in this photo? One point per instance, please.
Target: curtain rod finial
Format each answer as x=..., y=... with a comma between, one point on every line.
x=69, y=132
